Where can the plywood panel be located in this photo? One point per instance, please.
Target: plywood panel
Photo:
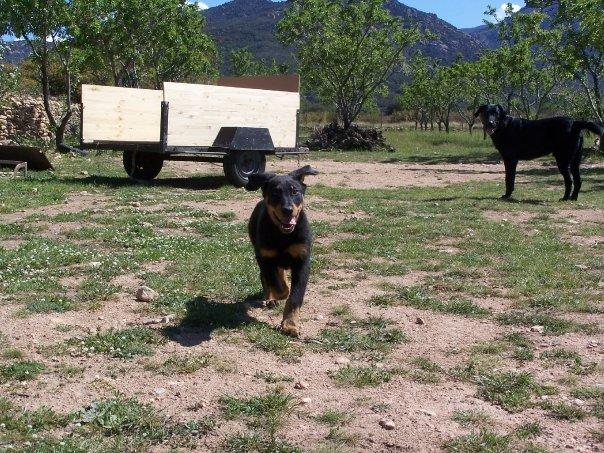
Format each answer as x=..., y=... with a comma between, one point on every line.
x=197, y=112
x=120, y=114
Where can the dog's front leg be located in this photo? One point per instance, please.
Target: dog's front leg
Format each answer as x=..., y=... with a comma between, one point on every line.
x=510, y=177
x=274, y=283
x=291, y=314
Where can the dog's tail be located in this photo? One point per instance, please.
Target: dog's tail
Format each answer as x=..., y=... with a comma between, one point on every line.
x=579, y=126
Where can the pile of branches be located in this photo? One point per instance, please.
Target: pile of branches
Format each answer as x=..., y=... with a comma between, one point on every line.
x=333, y=136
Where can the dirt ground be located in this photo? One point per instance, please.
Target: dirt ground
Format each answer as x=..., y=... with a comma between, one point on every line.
x=421, y=412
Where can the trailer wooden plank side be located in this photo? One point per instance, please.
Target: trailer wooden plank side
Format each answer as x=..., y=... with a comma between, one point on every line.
x=115, y=114
x=198, y=112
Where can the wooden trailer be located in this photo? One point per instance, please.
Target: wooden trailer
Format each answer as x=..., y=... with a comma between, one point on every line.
x=237, y=122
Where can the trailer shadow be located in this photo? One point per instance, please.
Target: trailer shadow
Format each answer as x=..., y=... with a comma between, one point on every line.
x=209, y=182
x=203, y=316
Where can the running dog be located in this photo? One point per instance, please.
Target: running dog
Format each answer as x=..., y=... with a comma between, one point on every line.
x=281, y=237
x=519, y=139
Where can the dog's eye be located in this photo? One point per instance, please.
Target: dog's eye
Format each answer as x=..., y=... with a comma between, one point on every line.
x=294, y=191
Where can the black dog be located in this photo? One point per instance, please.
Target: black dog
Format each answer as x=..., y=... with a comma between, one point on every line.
x=280, y=234
x=518, y=139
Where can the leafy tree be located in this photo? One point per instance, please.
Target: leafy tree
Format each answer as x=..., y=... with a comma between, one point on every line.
x=243, y=63
x=414, y=95
x=347, y=49
x=43, y=24
x=580, y=49
x=7, y=74
x=522, y=62
x=142, y=43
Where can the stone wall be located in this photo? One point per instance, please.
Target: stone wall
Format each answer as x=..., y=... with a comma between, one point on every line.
x=24, y=117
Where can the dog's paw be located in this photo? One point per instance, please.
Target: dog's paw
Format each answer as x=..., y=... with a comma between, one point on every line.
x=564, y=199
x=289, y=328
x=272, y=303
x=505, y=197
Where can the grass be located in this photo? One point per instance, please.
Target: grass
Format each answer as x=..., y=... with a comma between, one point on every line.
x=475, y=419
x=266, y=414
x=427, y=371
x=551, y=325
x=124, y=343
x=564, y=411
x=369, y=335
x=334, y=417
x=22, y=370
x=417, y=297
x=482, y=442
x=362, y=376
x=510, y=390
x=268, y=339
x=186, y=364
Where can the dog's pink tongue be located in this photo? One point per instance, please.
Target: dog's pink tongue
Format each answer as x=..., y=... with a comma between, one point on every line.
x=291, y=222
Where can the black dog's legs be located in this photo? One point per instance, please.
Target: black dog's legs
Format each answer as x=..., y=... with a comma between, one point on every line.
x=574, y=168
x=510, y=177
x=273, y=281
x=291, y=313
x=564, y=168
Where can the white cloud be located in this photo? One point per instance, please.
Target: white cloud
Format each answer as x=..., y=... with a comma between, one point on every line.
x=201, y=5
x=501, y=11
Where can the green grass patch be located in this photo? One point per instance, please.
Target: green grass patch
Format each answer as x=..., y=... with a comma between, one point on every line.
x=125, y=343
x=551, y=324
x=482, y=442
x=417, y=297
x=510, y=390
x=186, y=364
x=362, y=376
x=269, y=339
x=22, y=370
x=50, y=304
x=472, y=418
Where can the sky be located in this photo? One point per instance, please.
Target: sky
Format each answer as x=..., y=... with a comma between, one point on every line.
x=461, y=13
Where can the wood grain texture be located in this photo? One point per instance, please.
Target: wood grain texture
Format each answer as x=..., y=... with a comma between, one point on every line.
x=120, y=114
x=197, y=112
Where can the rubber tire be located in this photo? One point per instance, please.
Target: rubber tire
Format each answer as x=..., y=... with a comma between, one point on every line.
x=147, y=165
x=238, y=165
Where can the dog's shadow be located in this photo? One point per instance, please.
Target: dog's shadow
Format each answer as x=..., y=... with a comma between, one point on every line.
x=203, y=316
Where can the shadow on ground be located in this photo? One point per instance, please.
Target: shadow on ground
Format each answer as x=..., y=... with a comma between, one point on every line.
x=494, y=158
x=208, y=182
x=203, y=316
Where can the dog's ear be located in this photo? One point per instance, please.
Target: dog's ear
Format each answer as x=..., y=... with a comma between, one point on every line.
x=481, y=109
x=300, y=173
x=501, y=111
x=257, y=180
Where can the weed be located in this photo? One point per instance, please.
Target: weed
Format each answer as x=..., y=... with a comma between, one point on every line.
x=483, y=442
x=125, y=343
x=267, y=338
x=24, y=370
x=551, y=325
x=362, y=376
x=528, y=430
x=181, y=364
x=334, y=417
x=418, y=298
x=564, y=411
x=512, y=391
x=50, y=304
x=476, y=419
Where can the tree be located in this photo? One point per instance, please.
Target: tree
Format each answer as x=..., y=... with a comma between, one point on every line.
x=44, y=25
x=580, y=50
x=142, y=43
x=243, y=63
x=7, y=74
x=522, y=63
x=347, y=49
x=414, y=95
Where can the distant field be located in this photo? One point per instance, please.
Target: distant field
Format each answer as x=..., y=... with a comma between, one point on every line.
x=465, y=323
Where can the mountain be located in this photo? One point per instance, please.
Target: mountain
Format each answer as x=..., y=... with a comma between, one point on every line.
x=16, y=51
x=252, y=24
x=489, y=37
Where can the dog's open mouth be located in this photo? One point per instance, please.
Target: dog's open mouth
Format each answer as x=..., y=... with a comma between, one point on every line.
x=288, y=225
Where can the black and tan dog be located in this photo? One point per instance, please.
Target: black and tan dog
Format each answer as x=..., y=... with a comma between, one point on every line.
x=280, y=234
x=519, y=139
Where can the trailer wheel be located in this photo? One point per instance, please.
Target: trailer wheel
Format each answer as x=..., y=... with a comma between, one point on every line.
x=239, y=165
x=142, y=166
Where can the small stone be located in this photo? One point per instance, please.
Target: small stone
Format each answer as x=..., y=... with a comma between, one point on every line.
x=135, y=204
x=166, y=319
x=319, y=318
x=342, y=361
x=387, y=424
x=159, y=391
x=145, y=294
x=95, y=264
x=579, y=402
x=305, y=401
x=301, y=385
x=149, y=321
x=101, y=318
x=428, y=413
x=538, y=329
x=84, y=173
x=419, y=321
